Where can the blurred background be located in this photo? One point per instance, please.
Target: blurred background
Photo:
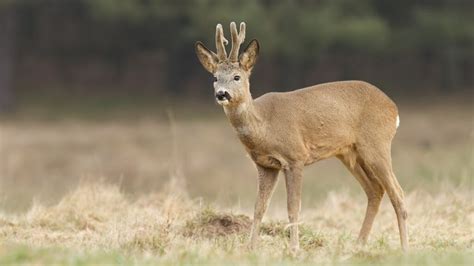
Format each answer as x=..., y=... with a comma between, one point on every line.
x=106, y=89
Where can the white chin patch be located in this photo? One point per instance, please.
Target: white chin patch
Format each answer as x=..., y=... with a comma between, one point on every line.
x=223, y=102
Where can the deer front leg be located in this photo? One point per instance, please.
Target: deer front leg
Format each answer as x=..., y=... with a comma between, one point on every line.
x=267, y=179
x=293, y=178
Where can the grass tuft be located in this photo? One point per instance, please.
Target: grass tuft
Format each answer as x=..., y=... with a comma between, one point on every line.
x=210, y=223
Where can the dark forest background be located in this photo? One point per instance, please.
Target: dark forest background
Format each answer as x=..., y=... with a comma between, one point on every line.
x=144, y=49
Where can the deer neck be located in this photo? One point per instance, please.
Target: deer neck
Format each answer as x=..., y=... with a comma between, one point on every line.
x=246, y=121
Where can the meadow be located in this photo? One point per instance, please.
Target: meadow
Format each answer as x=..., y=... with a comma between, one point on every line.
x=176, y=187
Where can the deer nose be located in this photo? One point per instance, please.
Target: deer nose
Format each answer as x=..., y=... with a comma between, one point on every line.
x=222, y=95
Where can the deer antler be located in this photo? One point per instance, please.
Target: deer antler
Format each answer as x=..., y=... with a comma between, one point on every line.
x=237, y=40
x=220, y=41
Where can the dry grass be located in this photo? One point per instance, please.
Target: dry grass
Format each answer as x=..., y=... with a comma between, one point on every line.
x=169, y=227
x=150, y=191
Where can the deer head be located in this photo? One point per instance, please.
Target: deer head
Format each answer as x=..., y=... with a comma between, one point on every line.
x=232, y=73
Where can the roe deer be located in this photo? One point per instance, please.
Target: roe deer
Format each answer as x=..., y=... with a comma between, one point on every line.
x=351, y=120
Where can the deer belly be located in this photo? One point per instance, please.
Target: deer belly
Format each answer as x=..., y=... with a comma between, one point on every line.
x=323, y=151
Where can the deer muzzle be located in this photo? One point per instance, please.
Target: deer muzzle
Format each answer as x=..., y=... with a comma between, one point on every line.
x=223, y=96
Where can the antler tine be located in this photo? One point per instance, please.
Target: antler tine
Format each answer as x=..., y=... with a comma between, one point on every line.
x=220, y=41
x=237, y=40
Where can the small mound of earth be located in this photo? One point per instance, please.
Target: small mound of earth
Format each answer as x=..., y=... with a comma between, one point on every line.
x=209, y=223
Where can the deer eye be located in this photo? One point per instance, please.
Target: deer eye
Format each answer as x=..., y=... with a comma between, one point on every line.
x=215, y=79
x=237, y=78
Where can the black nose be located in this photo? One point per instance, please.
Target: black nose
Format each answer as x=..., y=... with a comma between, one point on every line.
x=222, y=95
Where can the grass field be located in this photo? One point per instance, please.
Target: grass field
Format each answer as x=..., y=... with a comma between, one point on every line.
x=178, y=188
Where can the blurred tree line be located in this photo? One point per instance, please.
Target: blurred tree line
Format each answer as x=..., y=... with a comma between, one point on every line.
x=145, y=47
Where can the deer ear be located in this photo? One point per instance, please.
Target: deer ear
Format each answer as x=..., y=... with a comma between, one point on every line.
x=207, y=58
x=249, y=57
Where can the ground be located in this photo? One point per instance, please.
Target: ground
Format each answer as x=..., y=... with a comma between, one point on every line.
x=178, y=188
x=97, y=223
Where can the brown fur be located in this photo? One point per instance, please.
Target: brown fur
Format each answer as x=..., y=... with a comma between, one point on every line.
x=351, y=120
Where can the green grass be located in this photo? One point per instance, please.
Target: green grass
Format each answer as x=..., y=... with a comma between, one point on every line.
x=60, y=256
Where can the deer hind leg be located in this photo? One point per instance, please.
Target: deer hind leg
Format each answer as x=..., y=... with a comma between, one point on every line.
x=267, y=179
x=373, y=189
x=379, y=166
